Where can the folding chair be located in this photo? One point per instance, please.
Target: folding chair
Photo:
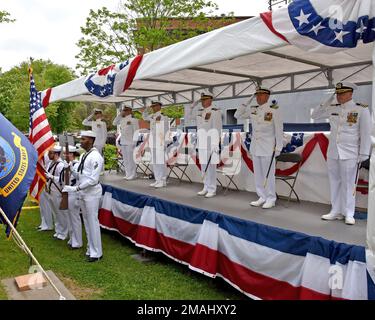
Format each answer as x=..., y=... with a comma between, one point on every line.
x=117, y=163
x=229, y=170
x=179, y=166
x=289, y=180
x=144, y=164
x=365, y=165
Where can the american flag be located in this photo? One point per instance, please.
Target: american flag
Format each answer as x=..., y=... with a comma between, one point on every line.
x=40, y=136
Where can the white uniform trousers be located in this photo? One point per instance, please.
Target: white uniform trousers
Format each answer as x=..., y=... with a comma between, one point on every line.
x=75, y=223
x=90, y=212
x=342, y=174
x=45, y=212
x=158, y=164
x=60, y=216
x=129, y=164
x=209, y=177
x=261, y=165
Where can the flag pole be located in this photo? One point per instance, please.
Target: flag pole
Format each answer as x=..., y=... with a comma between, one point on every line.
x=26, y=248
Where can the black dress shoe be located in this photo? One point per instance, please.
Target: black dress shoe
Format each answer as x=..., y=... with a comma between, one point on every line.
x=94, y=259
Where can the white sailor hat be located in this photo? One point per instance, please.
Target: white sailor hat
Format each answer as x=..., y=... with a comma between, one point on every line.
x=56, y=148
x=96, y=110
x=88, y=133
x=343, y=87
x=72, y=149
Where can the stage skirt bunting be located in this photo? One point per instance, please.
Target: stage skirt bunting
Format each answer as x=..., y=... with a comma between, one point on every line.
x=261, y=261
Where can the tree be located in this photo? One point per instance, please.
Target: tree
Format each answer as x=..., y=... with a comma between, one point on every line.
x=14, y=95
x=5, y=17
x=141, y=26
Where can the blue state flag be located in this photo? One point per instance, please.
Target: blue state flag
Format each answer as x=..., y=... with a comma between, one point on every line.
x=18, y=159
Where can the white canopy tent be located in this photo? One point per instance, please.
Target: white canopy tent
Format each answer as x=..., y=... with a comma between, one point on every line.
x=229, y=62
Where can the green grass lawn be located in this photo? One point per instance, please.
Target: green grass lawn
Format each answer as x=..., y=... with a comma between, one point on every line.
x=117, y=276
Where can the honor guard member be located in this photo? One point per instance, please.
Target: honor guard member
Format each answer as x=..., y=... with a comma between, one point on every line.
x=99, y=127
x=45, y=209
x=54, y=194
x=74, y=218
x=266, y=144
x=349, y=145
x=209, y=127
x=129, y=127
x=159, y=128
x=89, y=192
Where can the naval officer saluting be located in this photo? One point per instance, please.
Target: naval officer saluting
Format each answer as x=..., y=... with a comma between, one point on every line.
x=266, y=144
x=349, y=145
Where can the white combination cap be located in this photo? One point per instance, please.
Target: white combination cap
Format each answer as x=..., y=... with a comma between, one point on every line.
x=344, y=86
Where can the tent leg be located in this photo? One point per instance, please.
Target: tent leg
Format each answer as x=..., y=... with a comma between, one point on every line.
x=371, y=194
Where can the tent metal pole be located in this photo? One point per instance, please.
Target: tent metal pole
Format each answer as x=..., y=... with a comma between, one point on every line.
x=26, y=248
x=371, y=195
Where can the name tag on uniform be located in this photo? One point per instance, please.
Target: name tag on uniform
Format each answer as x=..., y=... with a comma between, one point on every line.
x=158, y=119
x=207, y=116
x=334, y=114
x=268, y=116
x=254, y=113
x=129, y=123
x=99, y=125
x=352, y=118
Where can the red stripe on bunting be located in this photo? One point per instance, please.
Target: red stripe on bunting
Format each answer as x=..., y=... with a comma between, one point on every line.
x=318, y=138
x=134, y=65
x=45, y=101
x=267, y=19
x=210, y=262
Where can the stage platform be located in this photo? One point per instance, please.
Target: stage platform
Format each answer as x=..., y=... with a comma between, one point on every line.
x=301, y=217
x=286, y=252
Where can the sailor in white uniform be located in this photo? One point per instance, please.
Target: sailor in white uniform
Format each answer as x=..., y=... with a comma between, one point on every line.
x=266, y=144
x=129, y=127
x=54, y=196
x=74, y=218
x=349, y=145
x=99, y=127
x=46, y=217
x=209, y=128
x=89, y=192
x=159, y=130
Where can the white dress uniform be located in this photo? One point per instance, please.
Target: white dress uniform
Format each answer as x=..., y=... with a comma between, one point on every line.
x=90, y=192
x=209, y=127
x=74, y=218
x=267, y=136
x=45, y=210
x=348, y=142
x=54, y=198
x=100, y=129
x=128, y=128
x=159, y=130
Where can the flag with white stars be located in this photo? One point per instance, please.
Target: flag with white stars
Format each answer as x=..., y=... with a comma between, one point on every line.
x=40, y=135
x=102, y=82
x=326, y=26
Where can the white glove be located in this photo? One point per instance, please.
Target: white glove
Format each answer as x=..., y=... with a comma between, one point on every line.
x=49, y=176
x=362, y=158
x=66, y=165
x=70, y=189
x=277, y=153
x=215, y=149
x=329, y=101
